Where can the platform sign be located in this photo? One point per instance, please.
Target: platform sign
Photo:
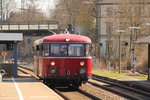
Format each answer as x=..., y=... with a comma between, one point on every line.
x=4, y=53
x=134, y=60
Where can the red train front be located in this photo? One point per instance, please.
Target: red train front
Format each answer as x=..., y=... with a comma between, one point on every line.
x=63, y=59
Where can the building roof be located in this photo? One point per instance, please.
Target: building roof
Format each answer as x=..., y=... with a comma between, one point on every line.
x=144, y=40
x=119, y=1
x=109, y=1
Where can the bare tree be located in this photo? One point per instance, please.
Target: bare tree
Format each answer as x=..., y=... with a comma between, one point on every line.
x=74, y=12
x=8, y=7
x=29, y=13
x=131, y=16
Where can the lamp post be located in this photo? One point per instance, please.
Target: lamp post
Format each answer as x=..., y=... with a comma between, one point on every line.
x=133, y=37
x=120, y=31
x=1, y=15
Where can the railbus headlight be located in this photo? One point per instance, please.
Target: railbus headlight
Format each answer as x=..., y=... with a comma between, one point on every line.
x=53, y=70
x=82, y=71
x=53, y=63
x=67, y=39
x=82, y=63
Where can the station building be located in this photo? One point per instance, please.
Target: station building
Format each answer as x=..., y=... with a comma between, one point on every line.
x=120, y=24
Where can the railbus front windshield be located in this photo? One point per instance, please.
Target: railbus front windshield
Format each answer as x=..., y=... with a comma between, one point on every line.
x=61, y=50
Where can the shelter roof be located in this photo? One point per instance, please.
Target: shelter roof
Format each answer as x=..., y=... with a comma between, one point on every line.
x=144, y=40
x=11, y=36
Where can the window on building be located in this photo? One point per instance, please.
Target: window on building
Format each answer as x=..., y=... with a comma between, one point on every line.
x=109, y=28
x=109, y=48
x=109, y=11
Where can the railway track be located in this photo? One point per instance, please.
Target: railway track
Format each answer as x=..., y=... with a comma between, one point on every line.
x=66, y=93
x=124, y=83
x=72, y=94
x=120, y=89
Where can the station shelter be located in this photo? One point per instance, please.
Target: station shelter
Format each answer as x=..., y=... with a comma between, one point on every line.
x=146, y=40
x=9, y=43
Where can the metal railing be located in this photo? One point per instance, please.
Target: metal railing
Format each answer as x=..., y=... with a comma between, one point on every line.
x=2, y=73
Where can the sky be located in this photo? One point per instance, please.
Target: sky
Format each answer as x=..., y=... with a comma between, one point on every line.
x=43, y=4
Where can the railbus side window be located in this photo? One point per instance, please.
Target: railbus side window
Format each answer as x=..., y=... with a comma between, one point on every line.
x=76, y=50
x=88, y=49
x=40, y=50
x=37, y=48
x=46, y=49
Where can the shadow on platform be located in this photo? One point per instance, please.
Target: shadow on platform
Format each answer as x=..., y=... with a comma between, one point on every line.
x=21, y=78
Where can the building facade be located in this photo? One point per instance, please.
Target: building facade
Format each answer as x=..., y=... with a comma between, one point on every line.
x=120, y=24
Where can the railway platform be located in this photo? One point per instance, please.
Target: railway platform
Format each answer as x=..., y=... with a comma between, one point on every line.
x=131, y=82
x=25, y=87
x=140, y=84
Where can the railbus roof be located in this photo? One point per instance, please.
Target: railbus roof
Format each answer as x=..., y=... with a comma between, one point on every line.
x=64, y=38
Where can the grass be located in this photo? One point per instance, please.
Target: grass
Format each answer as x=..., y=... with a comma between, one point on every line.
x=117, y=75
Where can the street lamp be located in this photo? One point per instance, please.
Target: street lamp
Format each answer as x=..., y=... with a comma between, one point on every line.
x=120, y=31
x=134, y=27
x=132, y=48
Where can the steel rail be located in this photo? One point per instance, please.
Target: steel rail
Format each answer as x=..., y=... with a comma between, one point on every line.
x=109, y=81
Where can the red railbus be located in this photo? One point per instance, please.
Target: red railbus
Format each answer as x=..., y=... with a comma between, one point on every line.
x=63, y=59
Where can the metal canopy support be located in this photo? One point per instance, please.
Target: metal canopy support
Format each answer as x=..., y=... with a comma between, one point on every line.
x=148, y=62
x=15, y=74
x=12, y=38
x=1, y=15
